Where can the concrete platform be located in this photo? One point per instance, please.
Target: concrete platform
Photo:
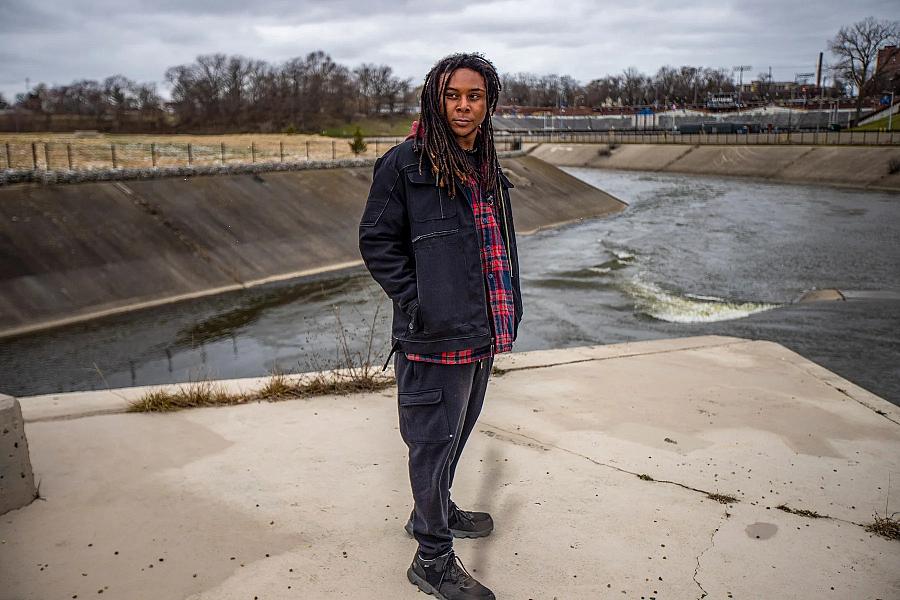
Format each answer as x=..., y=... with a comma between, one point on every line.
x=307, y=498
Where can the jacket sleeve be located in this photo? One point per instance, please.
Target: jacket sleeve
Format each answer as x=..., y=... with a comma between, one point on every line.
x=384, y=238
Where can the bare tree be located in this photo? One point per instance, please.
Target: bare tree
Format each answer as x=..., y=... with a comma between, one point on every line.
x=856, y=48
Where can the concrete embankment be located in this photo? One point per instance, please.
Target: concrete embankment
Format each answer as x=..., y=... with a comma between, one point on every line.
x=704, y=467
x=79, y=251
x=863, y=167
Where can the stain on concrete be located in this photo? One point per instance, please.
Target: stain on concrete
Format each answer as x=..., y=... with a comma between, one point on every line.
x=761, y=530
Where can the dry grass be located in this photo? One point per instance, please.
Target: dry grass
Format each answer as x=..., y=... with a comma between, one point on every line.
x=191, y=395
x=277, y=388
x=722, y=498
x=355, y=373
x=53, y=150
x=888, y=527
x=800, y=511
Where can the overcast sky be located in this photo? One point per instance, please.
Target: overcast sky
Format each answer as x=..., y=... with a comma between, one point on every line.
x=57, y=41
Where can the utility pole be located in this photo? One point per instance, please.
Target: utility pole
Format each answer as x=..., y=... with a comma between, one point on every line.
x=740, y=69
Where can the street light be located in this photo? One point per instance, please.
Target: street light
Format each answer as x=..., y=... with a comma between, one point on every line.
x=740, y=69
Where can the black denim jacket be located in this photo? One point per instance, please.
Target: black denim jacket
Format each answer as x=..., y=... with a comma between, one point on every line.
x=422, y=247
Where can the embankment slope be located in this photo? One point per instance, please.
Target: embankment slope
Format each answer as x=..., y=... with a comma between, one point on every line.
x=854, y=166
x=73, y=252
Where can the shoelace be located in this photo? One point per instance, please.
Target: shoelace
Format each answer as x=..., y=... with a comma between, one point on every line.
x=462, y=514
x=455, y=568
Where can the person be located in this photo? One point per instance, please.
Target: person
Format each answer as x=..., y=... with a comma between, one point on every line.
x=437, y=234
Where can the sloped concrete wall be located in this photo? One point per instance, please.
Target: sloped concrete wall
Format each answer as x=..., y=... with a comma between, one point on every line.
x=71, y=252
x=856, y=166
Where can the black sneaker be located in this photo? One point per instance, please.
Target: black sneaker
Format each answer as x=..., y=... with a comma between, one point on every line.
x=446, y=578
x=463, y=523
x=469, y=524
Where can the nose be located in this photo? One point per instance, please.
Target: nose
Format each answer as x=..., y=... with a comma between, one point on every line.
x=463, y=105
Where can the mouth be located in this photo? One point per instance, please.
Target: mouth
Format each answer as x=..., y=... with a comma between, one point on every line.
x=462, y=122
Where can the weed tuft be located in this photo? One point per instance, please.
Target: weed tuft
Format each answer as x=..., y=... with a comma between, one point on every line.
x=887, y=527
x=355, y=373
x=192, y=395
x=800, y=511
x=894, y=166
x=722, y=498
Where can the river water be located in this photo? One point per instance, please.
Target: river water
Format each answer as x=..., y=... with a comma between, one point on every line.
x=690, y=256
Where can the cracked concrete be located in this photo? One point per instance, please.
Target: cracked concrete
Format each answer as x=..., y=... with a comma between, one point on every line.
x=307, y=498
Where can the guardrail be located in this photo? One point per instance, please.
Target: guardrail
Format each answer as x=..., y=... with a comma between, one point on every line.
x=817, y=138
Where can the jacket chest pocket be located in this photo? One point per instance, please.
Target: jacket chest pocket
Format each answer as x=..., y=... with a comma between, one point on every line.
x=425, y=200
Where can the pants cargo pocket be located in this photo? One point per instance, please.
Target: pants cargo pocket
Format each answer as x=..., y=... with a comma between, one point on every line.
x=423, y=417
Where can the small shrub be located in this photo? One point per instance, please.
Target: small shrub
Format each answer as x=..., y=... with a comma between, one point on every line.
x=290, y=130
x=358, y=145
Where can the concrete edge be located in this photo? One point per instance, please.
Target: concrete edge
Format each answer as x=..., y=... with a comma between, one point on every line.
x=75, y=405
x=854, y=392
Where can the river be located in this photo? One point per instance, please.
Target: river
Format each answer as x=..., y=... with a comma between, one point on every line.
x=691, y=255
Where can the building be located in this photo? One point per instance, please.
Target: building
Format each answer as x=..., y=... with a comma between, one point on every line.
x=887, y=64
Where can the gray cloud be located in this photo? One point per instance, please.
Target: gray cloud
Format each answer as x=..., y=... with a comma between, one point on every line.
x=57, y=41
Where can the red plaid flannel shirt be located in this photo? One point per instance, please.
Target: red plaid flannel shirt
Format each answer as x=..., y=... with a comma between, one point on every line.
x=495, y=266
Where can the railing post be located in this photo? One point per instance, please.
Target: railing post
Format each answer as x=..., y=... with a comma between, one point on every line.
x=112, y=153
x=281, y=150
x=153, y=154
x=222, y=153
x=333, y=150
x=69, y=155
x=33, y=156
x=190, y=155
x=8, y=157
x=253, y=152
x=307, y=149
x=376, y=147
x=47, y=155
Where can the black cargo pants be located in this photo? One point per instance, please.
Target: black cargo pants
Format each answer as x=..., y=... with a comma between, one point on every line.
x=438, y=407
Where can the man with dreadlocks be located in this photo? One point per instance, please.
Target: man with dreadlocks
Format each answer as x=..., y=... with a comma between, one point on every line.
x=437, y=234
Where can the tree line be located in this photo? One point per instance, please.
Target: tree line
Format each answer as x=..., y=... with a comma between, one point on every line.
x=221, y=93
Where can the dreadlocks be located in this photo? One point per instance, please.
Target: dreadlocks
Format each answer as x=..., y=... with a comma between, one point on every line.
x=448, y=160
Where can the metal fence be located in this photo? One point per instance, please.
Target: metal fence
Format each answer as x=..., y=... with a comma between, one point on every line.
x=88, y=155
x=818, y=138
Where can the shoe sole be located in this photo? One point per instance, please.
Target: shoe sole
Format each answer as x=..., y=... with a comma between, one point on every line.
x=422, y=584
x=457, y=533
x=427, y=587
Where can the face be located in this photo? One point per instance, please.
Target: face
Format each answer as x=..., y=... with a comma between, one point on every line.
x=465, y=105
